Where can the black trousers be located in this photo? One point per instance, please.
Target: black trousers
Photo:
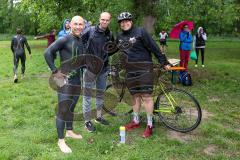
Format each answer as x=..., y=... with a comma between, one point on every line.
x=202, y=54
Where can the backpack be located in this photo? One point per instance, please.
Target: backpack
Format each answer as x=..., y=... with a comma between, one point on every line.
x=185, y=78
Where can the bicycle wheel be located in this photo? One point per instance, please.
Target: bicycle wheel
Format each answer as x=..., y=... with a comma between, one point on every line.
x=178, y=110
x=120, y=104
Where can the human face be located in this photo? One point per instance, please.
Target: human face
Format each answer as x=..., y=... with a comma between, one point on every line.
x=67, y=25
x=125, y=25
x=104, y=20
x=185, y=28
x=77, y=25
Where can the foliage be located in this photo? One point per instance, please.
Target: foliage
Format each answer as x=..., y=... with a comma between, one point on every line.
x=219, y=17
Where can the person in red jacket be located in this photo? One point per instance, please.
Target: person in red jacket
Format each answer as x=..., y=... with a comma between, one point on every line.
x=50, y=37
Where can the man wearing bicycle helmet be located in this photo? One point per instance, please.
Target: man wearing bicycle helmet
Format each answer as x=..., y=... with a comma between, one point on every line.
x=139, y=68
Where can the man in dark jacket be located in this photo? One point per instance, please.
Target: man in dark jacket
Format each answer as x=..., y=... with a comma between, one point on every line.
x=18, y=50
x=139, y=68
x=95, y=38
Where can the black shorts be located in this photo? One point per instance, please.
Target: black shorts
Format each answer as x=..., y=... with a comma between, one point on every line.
x=140, y=82
x=164, y=43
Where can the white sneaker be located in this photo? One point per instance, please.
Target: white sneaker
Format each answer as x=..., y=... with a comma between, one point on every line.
x=63, y=146
x=195, y=65
x=203, y=66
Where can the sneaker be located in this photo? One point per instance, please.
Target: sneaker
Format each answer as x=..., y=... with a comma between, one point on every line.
x=203, y=66
x=148, y=132
x=195, y=65
x=101, y=120
x=131, y=125
x=15, y=79
x=89, y=126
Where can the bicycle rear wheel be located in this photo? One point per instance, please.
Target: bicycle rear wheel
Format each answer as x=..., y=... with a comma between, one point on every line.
x=178, y=110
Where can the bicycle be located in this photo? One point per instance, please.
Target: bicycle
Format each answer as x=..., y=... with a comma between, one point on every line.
x=175, y=107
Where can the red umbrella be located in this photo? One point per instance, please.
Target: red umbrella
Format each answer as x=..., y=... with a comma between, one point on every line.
x=178, y=27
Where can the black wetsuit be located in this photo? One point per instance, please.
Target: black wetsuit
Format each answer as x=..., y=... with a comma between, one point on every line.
x=17, y=47
x=69, y=48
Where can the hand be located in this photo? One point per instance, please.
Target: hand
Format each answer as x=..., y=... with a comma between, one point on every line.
x=60, y=79
x=35, y=37
x=167, y=67
x=59, y=75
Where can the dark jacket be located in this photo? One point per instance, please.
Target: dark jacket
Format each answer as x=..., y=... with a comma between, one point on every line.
x=141, y=46
x=94, y=40
x=199, y=40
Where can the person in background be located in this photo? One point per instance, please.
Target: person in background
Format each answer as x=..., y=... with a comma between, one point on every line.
x=18, y=50
x=185, y=46
x=163, y=41
x=50, y=37
x=65, y=28
x=199, y=44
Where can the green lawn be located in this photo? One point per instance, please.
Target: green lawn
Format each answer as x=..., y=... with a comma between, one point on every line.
x=27, y=114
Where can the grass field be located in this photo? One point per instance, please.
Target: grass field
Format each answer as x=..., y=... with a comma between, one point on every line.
x=27, y=116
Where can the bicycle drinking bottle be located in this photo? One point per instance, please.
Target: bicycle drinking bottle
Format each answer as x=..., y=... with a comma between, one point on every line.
x=122, y=134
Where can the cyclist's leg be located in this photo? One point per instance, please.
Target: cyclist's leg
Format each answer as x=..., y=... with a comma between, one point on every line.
x=136, y=105
x=148, y=104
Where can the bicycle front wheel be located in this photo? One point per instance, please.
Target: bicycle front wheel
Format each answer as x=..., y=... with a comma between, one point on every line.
x=178, y=110
x=119, y=101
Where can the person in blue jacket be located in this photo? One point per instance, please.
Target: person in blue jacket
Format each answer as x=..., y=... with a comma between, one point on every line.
x=185, y=46
x=65, y=28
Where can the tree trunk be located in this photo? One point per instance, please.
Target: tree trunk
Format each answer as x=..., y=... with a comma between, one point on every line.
x=148, y=23
x=146, y=8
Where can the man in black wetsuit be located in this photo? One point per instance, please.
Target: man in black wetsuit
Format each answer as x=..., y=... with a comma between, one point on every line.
x=139, y=68
x=69, y=48
x=17, y=47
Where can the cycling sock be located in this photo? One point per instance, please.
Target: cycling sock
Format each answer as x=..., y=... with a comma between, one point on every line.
x=136, y=118
x=149, y=120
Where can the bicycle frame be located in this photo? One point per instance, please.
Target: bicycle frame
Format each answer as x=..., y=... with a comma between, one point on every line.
x=170, y=99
